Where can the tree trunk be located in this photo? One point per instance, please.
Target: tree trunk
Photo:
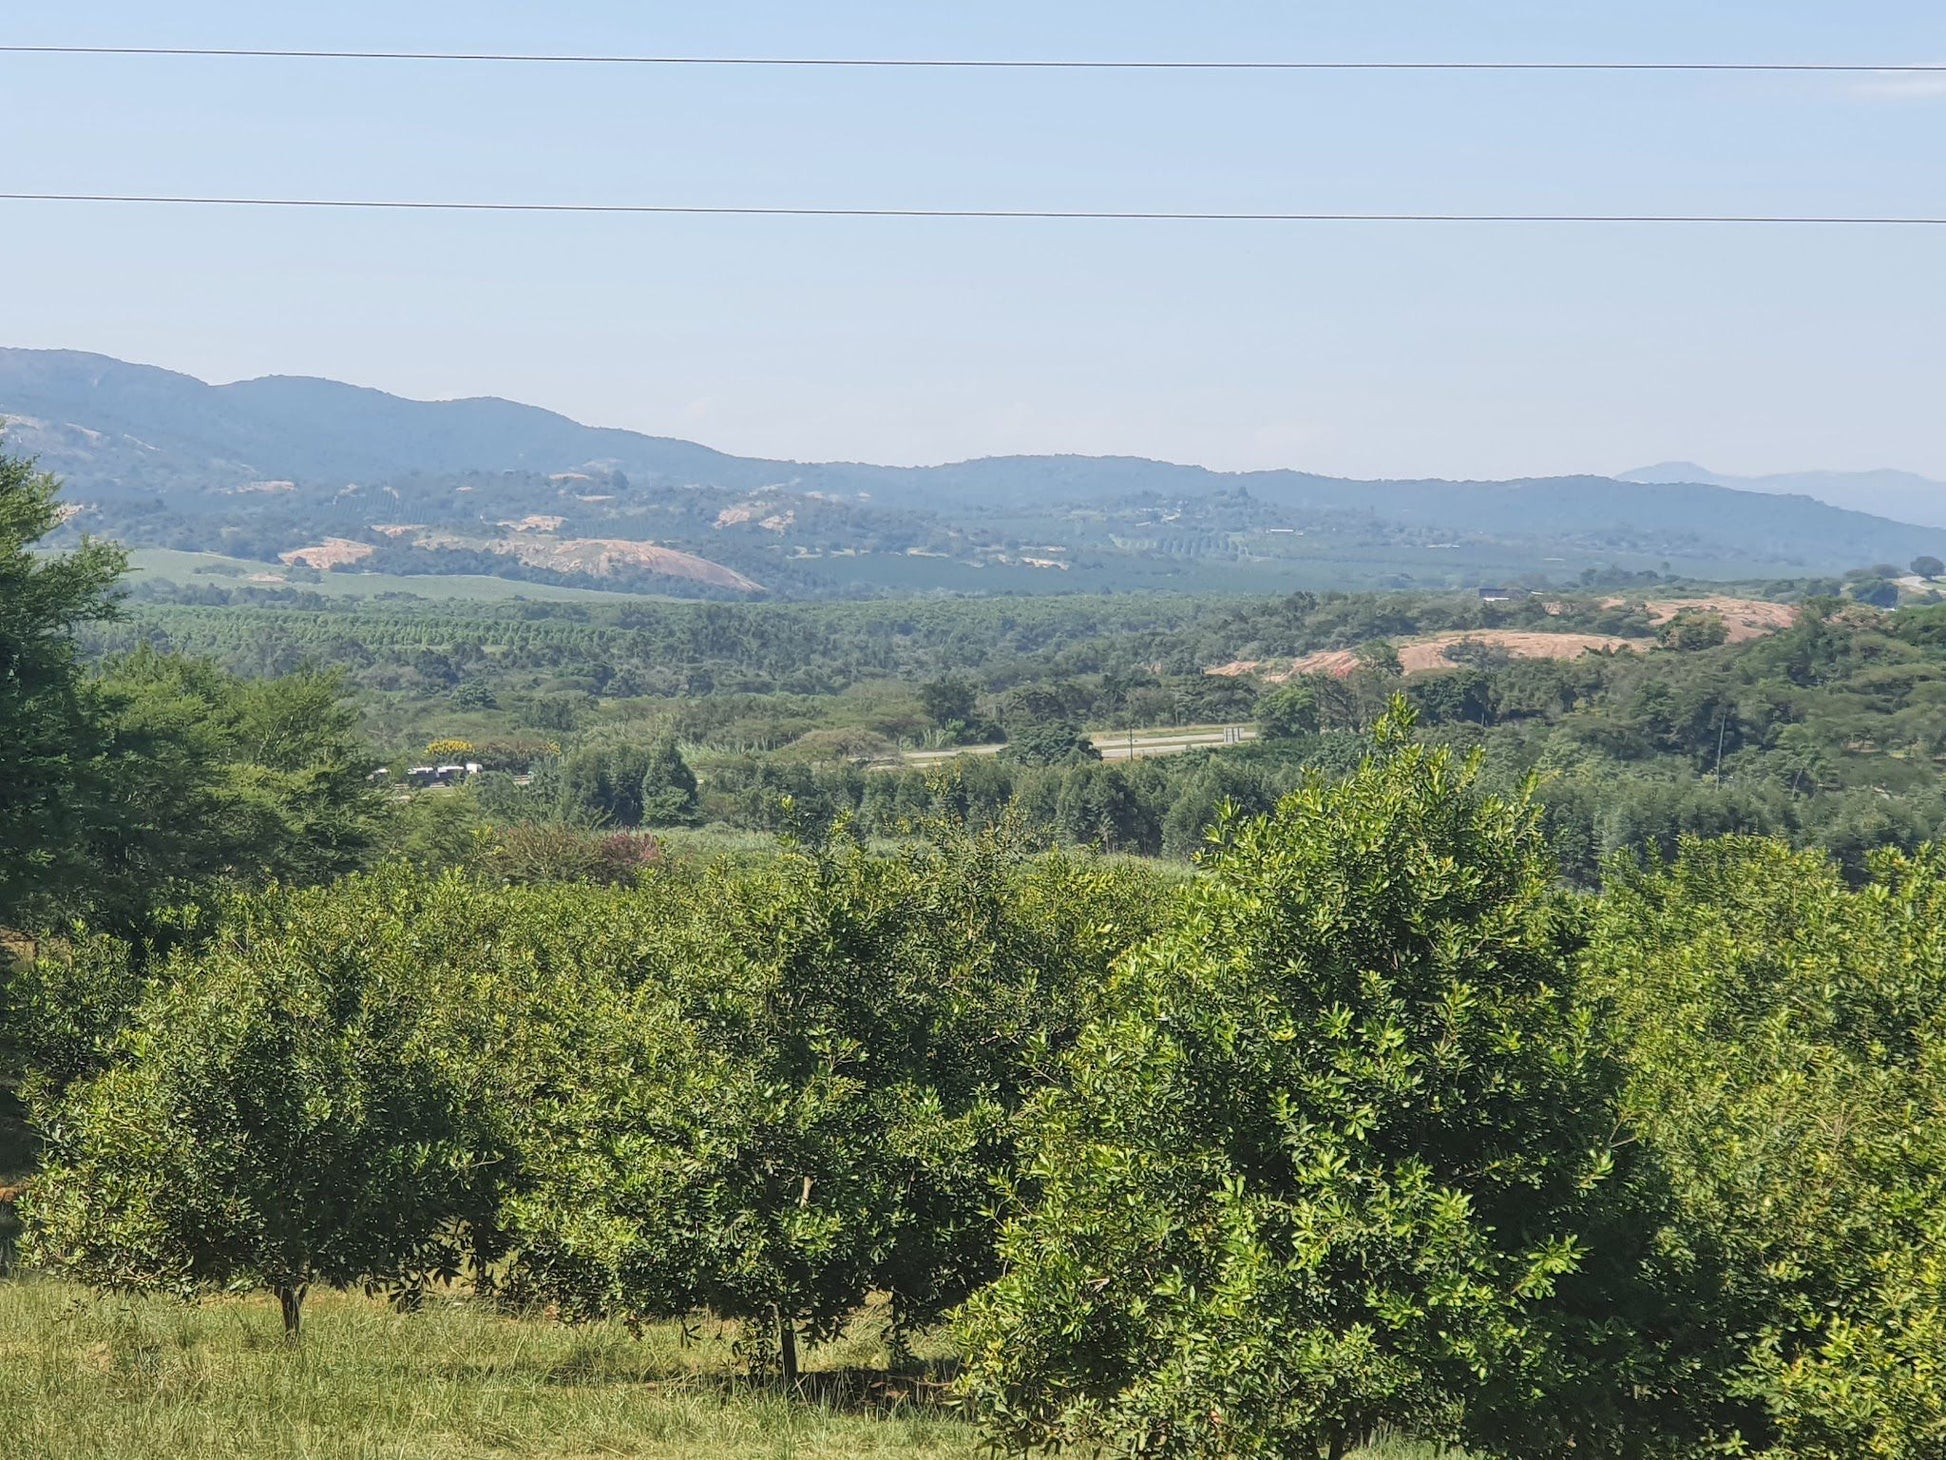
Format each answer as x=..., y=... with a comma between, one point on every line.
x=291, y=1301
x=787, y=1348
x=1337, y=1445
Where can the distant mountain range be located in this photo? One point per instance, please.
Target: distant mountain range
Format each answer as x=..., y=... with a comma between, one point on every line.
x=305, y=475
x=1901, y=495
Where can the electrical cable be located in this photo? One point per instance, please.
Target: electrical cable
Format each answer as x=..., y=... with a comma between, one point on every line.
x=1077, y=215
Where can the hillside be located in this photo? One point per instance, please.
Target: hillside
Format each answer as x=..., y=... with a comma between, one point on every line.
x=280, y=469
x=1903, y=495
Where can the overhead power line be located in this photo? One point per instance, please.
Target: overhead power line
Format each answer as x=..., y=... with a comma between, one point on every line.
x=941, y=63
x=1057, y=215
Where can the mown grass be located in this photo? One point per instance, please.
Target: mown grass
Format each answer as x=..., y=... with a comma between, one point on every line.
x=82, y=1376
x=90, y=1378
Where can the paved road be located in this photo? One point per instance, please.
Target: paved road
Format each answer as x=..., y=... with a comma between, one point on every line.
x=1118, y=744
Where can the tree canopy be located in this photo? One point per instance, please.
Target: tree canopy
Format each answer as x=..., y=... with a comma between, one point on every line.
x=1329, y=1155
x=50, y=735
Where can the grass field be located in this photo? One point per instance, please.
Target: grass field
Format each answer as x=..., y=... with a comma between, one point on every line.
x=88, y=1378
x=82, y=1376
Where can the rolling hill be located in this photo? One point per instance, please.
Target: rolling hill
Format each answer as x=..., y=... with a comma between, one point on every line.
x=289, y=470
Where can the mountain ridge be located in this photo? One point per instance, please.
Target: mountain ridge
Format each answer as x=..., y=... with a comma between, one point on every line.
x=269, y=467
x=1883, y=491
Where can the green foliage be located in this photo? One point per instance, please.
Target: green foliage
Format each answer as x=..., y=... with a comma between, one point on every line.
x=668, y=785
x=209, y=779
x=951, y=703
x=1379, y=656
x=277, y=1113
x=539, y=852
x=1928, y=566
x=1289, y=710
x=1787, y=1072
x=1099, y=805
x=49, y=733
x=65, y=1006
x=1048, y=742
x=1693, y=628
x=632, y=783
x=797, y=1086
x=1328, y=1158
x=1464, y=696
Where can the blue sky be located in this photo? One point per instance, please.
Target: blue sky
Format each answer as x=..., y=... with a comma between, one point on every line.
x=1464, y=350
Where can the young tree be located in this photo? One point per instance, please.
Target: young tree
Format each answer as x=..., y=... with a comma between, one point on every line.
x=1048, y=742
x=631, y=784
x=1380, y=656
x=1329, y=1159
x=276, y=1114
x=795, y=1086
x=49, y=731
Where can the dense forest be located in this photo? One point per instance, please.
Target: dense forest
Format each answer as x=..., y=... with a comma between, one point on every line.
x=1543, y=1056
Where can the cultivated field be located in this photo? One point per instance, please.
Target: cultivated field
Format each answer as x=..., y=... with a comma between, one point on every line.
x=213, y=570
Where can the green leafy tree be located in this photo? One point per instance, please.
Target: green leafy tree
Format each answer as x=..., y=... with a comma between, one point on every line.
x=796, y=1086
x=1927, y=566
x=1787, y=1073
x=49, y=734
x=1693, y=628
x=1379, y=656
x=276, y=1114
x=668, y=785
x=949, y=700
x=1049, y=742
x=65, y=1006
x=1099, y=806
x=1330, y=1158
x=1878, y=592
x=631, y=783
x=1289, y=711
x=206, y=780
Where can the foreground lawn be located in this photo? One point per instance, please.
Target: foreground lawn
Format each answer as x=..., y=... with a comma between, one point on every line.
x=149, y=1380
x=88, y=1378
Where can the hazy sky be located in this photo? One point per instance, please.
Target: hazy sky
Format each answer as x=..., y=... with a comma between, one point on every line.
x=1358, y=349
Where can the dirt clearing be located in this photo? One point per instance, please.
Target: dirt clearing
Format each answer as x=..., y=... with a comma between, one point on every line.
x=1416, y=656
x=1745, y=618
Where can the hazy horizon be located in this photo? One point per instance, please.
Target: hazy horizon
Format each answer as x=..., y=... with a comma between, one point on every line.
x=1357, y=350
x=1709, y=469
